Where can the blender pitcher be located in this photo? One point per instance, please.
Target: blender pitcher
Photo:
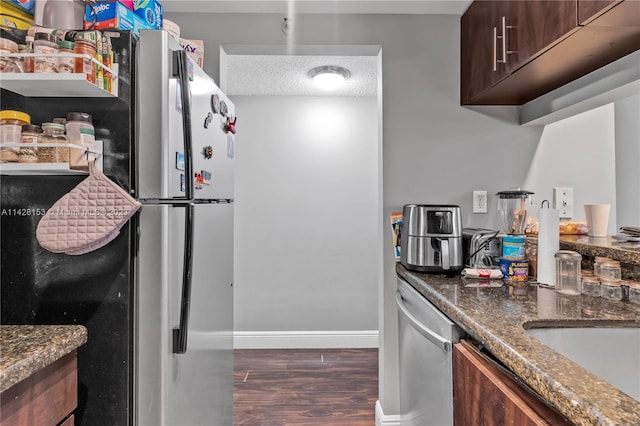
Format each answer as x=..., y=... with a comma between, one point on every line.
x=512, y=211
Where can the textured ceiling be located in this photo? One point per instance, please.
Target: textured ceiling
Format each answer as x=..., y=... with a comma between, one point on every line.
x=286, y=75
x=454, y=7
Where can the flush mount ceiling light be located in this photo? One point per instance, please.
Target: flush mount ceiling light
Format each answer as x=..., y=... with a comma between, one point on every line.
x=329, y=77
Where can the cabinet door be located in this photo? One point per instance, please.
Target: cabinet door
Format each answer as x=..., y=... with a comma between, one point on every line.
x=478, y=47
x=588, y=9
x=531, y=27
x=485, y=395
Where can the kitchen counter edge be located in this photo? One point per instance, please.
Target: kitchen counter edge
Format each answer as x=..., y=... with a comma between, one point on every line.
x=25, y=349
x=496, y=320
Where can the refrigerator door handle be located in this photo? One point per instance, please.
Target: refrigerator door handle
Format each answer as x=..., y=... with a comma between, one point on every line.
x=180, y=333
x=180, y=70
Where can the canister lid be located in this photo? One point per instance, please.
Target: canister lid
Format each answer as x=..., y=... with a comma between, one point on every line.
x=31, y=128
x=65, y=44
x=79, y=116
x=53, y=126
x=568, y=255
x=47, y=37
x=9, y=114
x=7, y=44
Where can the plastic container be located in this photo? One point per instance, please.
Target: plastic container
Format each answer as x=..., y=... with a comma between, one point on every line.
x=634, y=291
x=610, y=270
x=611, y=290
x=30, y=135
x=67, y=64
x=591, y=286
x=11, y=123
x=513, y=247
x=27, y=63
x=85, y=65
x=80, y=132
x=44, y=44
x=568, y=276
x=53, y=133
x=7, y=46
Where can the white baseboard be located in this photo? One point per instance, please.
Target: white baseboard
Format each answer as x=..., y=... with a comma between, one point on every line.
x=305, y=339
x=382, y=420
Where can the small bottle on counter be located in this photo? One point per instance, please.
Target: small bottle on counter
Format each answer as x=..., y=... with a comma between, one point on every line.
x=611, y=290
x=591, y=286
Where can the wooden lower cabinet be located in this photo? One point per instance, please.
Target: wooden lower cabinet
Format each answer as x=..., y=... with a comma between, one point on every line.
x=47, y=397
x=485, y=395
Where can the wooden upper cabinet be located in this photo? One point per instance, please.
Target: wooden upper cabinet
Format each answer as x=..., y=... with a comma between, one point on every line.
x=589, y=9
x=513, y=51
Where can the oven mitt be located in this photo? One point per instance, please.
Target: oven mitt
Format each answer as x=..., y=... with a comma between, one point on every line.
x=88, y=217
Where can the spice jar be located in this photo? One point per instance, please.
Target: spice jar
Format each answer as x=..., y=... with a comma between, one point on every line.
x=611, y=290
x=634, y=291
x=568, y=277
x=11, y=123
x=44, y=44
x=27, y=62
x=53, y=133
x=30, y=135
x=591, y=286
x=66, y=64
x=7, y=46
x=80, y=132
x=85, y=65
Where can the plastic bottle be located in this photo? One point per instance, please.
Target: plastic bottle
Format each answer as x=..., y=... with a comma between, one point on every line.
x=11, y=123
x=30, y=135
x=66, y=64
x=43, y=44
x=80, y=132
x=53, y=133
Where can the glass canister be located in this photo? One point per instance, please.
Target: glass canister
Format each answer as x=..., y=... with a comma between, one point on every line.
x=85, y=65
x=634, y=291
x=43, y=44
x=53, y=133
x=80, y=132
x=568, y=276
x=66, y=64
x=11, y=123
x=611, y=290
x=590, y=286
x=30, y=135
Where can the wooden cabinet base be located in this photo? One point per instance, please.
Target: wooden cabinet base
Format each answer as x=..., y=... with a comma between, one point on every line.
x=485, y=395
x=45, y=398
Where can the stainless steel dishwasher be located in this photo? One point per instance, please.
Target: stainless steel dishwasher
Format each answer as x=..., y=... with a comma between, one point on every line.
x=425, y=337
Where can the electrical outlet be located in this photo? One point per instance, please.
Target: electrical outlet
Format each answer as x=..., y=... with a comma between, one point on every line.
x=479, y=201
x=563, y=201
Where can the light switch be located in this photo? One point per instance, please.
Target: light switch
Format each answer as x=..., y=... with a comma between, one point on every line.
x=563, y=201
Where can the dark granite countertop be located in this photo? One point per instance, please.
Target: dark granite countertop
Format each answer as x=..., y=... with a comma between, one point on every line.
x=495, y=317
x=25, y=349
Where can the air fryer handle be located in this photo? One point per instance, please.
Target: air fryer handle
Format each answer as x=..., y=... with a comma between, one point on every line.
x=180, y=70
x=180, y=333
x=444, y=254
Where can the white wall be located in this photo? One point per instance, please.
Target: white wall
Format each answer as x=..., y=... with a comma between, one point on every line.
x=627, y=124
x=305, y=217
x=577, y=152
x=434, y=150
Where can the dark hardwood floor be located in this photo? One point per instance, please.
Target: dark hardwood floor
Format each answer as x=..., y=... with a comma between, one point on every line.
x=281, y=387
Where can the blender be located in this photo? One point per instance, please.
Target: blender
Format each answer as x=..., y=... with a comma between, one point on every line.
x=512, y=210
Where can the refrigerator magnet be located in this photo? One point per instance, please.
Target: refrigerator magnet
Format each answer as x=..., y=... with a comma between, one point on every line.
x=179, y=161
x=198, y=181
x=215, y=103
x=208, y=120
x=206, y=177
x=207, y=152
x=223, y=108
x=181, y=182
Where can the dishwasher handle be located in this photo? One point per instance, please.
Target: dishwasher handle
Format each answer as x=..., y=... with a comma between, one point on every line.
x=433, y=337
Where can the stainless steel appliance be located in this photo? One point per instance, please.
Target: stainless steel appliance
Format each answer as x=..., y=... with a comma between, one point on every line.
x=481, y=248
x=425, y=338
x=431, y=238
x=157, y=301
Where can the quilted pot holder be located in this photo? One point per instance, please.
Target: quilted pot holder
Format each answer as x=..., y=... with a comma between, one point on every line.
x=88, y=217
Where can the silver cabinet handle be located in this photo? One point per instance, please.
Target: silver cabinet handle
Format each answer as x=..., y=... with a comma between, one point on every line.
x=433, y=337
x=495, y=49
x=506, y=52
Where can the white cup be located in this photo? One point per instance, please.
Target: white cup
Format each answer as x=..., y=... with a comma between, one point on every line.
x=597, y=216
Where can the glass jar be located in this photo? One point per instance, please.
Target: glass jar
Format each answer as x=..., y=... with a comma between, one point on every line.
x=568, y=277
x=53, y=133
x=27, y=63
x=611, y=290
x=30, y=135
x=7, y=46
x=44, y=44
x=85, y=65
x=591, y=286
x=80, y=132
x=66, y=64
x=11, y=123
